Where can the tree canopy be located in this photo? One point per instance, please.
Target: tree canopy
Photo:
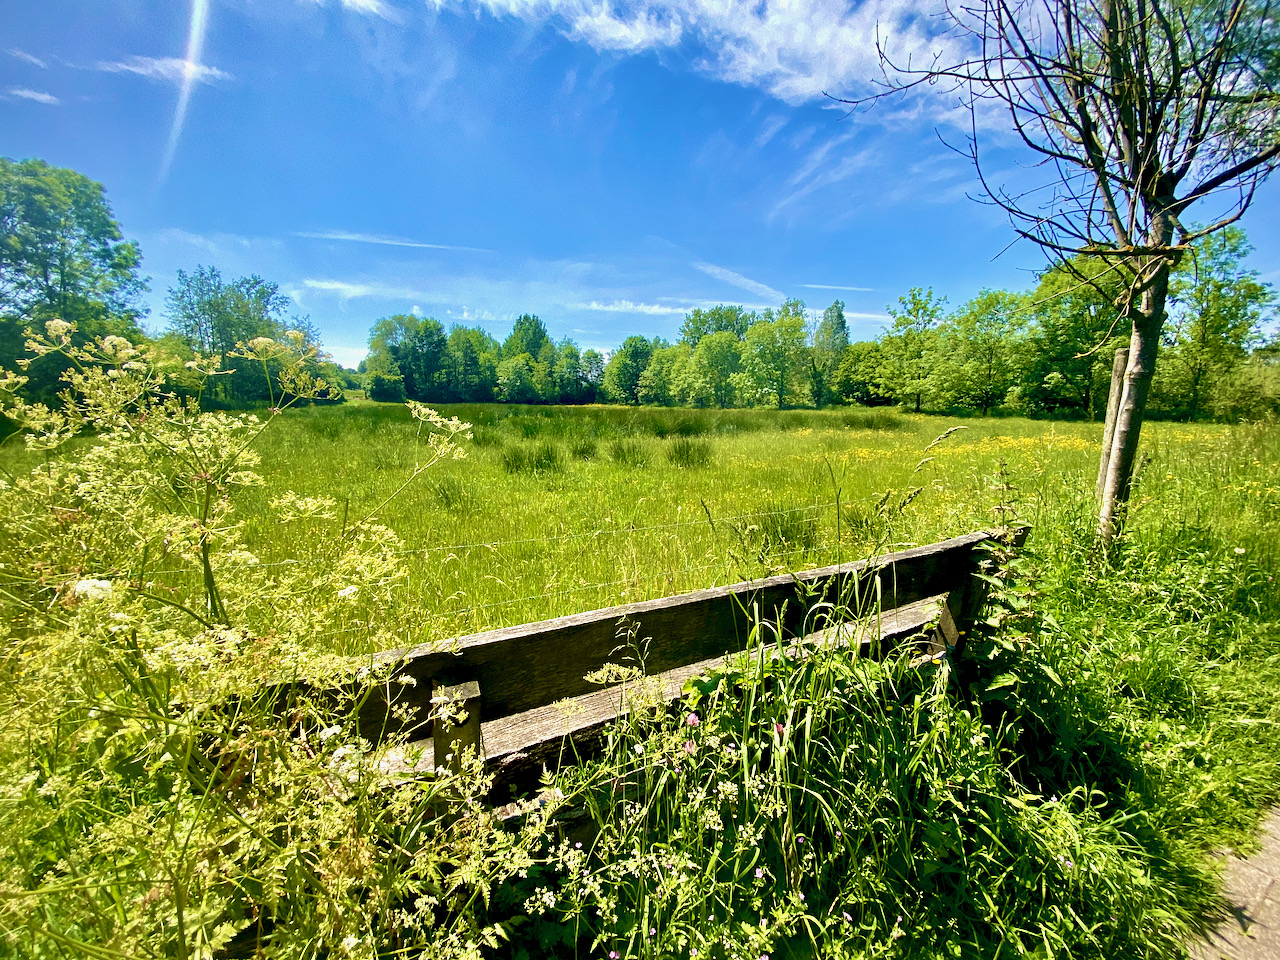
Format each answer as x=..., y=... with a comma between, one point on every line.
x=62, y=256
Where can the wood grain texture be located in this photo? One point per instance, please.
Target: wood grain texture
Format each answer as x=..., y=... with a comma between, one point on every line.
x=529, y=666
x=517, y=748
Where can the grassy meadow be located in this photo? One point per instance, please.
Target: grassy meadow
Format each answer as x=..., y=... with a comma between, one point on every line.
x=557, y=510
x=1055, y=794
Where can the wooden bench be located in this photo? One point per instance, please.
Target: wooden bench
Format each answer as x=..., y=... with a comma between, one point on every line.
x=515, y=694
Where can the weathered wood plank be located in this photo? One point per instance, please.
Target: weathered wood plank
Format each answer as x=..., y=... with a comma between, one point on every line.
x=517, y=747
x=529, y=666
x=456, y=723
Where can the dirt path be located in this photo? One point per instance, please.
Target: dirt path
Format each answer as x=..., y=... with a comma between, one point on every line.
x=1253, y=889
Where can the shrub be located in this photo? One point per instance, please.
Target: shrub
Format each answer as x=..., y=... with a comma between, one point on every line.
x=583, y=448
x=544, y=458
x=386, y=389
x=686, y=452
x=629, y=453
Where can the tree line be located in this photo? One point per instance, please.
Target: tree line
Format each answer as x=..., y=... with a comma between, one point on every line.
x=63, y=257
x=1046, y=351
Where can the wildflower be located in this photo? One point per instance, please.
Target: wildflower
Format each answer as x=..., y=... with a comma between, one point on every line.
x=689, y=747
x=118, y=347
x=692, y=720
x=759, y=873
x=638, y=748
x=261, y=343
x=614, y=955
x=92, y=589
x=779, y=728
x=347, y=591
x=1239, y=551
x=56, y=327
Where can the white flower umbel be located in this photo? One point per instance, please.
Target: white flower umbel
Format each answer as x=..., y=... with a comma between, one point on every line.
x=92, y=589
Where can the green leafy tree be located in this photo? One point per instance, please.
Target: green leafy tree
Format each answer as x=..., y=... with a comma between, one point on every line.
x=593, y=363
x=1070, y=348
x=516, y=381
x=567, y=376
x=699, y=323
x=413, y=347
x=712, y=367
x=213, y=319
x=471, y=365
x=622, y=373
x=212, y=316
x=830, y=339
x=528, y=335
x=1218, y=308
x=775, y=357
x=664, y=379
x=909, y=348
x=981, y=349
x=858, y=378
x=62, y=256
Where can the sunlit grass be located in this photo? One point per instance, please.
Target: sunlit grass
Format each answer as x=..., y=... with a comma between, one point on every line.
x=560, y=510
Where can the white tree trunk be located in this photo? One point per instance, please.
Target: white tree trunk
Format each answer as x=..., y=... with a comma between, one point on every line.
x=1116, y=394
x=1119, y=460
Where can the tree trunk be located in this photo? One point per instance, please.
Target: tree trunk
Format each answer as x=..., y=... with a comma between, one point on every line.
x=1148, y=319
x=1118, y=369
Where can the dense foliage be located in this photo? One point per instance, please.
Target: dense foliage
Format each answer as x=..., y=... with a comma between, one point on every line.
x=1045, y=352
x=175, y=588
x=172, y=790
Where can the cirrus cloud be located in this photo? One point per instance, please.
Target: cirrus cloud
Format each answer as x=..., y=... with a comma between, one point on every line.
x=36, y=96
x=796, y=50
x=166, y=69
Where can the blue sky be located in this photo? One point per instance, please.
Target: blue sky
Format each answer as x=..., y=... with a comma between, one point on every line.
x=607, y=166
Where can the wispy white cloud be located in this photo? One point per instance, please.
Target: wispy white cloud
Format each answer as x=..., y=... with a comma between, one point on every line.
x=28, y=58
x=37, y=96
x=797, y=50
x=631, y=306
x=167, y=69
x=833, y=286
x=351, y=291
x=216, y=245
x=345, y=235
x=826, y=166
x=375, y=8
x=738, y=280
x=770, y=129
x=645, y=30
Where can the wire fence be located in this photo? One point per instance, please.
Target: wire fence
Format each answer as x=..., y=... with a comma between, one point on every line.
x=443, y=616
x=629, y=529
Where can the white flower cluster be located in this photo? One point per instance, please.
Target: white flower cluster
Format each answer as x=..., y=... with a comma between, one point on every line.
x=92, y=589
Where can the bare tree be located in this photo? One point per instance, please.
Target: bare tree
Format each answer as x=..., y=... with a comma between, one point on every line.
x=1142, y=114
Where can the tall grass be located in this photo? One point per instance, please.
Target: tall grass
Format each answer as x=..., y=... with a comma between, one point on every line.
x=639, y=503
x=1052, y=794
